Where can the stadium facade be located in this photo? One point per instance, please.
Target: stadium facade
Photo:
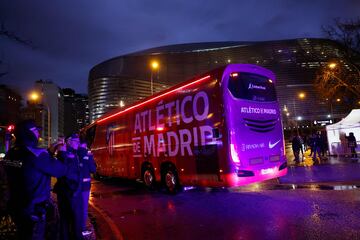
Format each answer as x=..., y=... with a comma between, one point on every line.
x=295, y=62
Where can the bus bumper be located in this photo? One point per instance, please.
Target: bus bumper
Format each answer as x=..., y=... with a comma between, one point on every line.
x=243, y=177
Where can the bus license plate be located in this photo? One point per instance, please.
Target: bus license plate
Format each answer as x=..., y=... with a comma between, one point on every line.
x=267, y=171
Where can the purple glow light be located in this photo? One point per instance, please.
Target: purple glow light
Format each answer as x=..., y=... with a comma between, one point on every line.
x=234, y=155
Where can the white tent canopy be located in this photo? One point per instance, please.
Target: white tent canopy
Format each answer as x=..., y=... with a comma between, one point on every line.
x=338, y=132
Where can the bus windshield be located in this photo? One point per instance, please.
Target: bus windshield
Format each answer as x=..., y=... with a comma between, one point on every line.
x=251, y=86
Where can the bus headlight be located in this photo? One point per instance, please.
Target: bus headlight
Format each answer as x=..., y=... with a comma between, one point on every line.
x=234, y=155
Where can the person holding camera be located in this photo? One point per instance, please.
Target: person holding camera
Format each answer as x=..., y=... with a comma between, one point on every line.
x=68, y=191
x=29, y=170
x=87, y=166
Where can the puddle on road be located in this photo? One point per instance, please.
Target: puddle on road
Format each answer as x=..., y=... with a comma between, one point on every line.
x=136, y=189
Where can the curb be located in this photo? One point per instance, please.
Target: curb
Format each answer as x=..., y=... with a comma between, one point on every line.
x=115, y=232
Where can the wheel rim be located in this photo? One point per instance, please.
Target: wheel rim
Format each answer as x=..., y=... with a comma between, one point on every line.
x=148, y=178
x=170, y=179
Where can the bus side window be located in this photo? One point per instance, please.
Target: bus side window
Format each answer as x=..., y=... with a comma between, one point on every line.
x=90, y=135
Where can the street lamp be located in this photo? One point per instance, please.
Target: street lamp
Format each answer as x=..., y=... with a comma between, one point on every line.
x=35, y=97
x=332, y=65
x=154, y=66
x=300, y=95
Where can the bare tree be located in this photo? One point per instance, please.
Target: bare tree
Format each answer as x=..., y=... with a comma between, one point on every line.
x=14, y=37
x=346, y=32
x=335, y=79
x=341, y=77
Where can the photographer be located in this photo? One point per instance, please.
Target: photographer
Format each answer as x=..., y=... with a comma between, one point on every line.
x=69, y=193
x=29, y=170
x=87, y=166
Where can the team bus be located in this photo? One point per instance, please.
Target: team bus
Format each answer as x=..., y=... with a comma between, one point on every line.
x=222, y=128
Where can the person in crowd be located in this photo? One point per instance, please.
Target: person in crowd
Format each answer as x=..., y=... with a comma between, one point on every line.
x=296, y=147
x=69, y=193
x=311, y=143
x=87, y=166
x=305, y=142
x=324, y=145
x=352, y=144
x=29, y=170
x=317, y=143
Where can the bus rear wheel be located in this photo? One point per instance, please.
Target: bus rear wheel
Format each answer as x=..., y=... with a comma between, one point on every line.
x=149, y=178
x=171, y=181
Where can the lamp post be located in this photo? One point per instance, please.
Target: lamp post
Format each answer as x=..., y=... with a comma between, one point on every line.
x=300, y=95
x=35, y=97
x=154, y=66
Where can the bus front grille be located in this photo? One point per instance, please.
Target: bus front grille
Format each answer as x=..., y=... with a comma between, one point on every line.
x=260, y=125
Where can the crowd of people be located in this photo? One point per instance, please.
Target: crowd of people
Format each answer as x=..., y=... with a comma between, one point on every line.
x=318, y=145
x=29, y=169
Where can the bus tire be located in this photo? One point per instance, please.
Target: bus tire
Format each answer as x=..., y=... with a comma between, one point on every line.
x=170, y=180
x=148, y=177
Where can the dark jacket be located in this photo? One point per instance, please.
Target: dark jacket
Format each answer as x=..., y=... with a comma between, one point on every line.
x=87, y=166
x=351, y=141
x=29, y=171
x=318, y=141
x=296, y=143
x=64, y=185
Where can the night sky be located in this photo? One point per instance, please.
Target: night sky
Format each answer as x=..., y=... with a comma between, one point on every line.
x=69, y=37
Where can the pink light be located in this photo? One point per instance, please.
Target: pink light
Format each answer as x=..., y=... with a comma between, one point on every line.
x=10, y=128
x=153, y=99
x=234, y=74
x=160, y=129
x=234, y=154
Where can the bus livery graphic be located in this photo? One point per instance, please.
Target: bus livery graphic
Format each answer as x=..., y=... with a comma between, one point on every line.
x=219, y=129
x=110, y=138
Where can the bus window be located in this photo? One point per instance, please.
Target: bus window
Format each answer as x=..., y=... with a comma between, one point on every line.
x=90, y=134
x=253, y=87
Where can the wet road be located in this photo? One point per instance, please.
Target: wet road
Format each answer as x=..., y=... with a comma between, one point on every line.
x=259, y=211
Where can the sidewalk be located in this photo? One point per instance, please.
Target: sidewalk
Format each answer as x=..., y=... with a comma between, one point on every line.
x=334, y=169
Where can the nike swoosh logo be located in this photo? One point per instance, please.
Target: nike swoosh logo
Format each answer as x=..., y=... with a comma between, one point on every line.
x=272, y=145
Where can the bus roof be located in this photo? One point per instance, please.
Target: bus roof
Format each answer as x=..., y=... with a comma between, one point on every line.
x=226, y=69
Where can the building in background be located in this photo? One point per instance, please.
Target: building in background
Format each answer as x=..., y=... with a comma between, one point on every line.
x=295, y=63
x=107, y=93
x=10, y=104
x=52, y=103
x=76, y=111
x=39, y=113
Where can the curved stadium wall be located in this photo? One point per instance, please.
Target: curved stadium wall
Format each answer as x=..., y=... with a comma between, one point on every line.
x=295, y=62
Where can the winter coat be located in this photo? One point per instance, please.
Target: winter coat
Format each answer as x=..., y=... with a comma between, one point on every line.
x=87, y=166
x=29, y=171
x=68, y=186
